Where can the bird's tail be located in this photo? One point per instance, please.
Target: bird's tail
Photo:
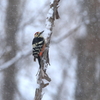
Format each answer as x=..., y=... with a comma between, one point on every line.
x=39, y=61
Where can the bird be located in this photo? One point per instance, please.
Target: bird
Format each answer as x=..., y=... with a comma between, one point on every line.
x=38, y=46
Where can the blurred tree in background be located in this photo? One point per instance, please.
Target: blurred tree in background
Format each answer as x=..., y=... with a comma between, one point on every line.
x=88, y=51
x=11, y=28
x=74, y=50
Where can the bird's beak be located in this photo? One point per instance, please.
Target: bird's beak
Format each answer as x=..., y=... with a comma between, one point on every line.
x=41, y=33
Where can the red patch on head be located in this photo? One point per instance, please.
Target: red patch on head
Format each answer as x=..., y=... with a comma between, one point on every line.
x=36, y=33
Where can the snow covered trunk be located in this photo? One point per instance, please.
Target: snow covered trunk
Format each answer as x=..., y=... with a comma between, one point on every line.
x=51, y=16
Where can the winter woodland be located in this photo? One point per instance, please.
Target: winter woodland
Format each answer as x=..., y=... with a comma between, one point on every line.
x=74, y=49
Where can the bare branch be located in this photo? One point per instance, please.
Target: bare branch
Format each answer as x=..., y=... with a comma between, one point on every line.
x=51, y=16
x=72, y=31
x=15, y=59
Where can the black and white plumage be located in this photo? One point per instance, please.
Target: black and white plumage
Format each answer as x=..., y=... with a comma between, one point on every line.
x=38, y=45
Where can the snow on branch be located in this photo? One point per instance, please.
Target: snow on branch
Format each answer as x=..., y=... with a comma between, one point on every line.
x=51, y=16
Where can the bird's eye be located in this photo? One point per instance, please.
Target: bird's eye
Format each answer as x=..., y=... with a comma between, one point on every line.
x=36, y=33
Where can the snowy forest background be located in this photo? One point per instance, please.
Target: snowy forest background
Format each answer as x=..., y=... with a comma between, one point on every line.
x=74, y=50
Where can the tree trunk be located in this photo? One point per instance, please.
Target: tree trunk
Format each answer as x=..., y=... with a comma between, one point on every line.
x=10, y=29
x=88, y=49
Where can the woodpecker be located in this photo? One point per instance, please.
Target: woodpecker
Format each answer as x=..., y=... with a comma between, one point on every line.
x=38, y=46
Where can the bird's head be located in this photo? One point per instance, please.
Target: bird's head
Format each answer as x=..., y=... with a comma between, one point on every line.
x=38, y=34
